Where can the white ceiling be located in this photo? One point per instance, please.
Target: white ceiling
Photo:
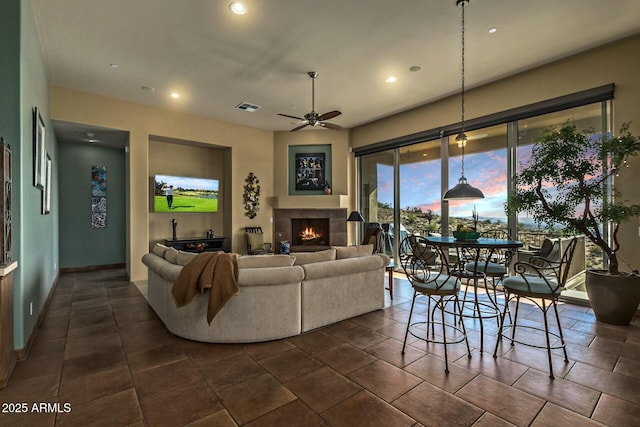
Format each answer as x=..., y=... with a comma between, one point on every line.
x=217, y=60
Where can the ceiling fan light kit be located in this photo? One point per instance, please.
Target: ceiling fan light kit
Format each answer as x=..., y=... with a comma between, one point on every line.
x=313, y=118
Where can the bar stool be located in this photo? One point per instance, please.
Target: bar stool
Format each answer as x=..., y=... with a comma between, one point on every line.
x=429, y=278
x=540, y=279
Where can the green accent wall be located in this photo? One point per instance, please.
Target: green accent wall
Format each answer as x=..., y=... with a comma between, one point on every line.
x=23, y=86
x=81, y=245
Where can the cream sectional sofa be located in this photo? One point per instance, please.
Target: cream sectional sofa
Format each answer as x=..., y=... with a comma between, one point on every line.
x=280, y=295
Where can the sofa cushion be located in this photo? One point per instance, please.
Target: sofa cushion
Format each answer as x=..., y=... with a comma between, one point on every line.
x=342, y=267
x=185, y=258
x=257, y=261
x=255, y=241
x=159, y=249
x=171, y=255
x=272, y=276
x=353, y=251
x=545, y=250
x=311, y=257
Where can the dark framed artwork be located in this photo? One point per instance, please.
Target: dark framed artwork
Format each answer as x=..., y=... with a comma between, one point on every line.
x=39, y=150
x=309, y=169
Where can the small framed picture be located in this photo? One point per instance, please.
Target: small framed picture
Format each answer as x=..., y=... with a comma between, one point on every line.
x=46, y=194
x=39, y=151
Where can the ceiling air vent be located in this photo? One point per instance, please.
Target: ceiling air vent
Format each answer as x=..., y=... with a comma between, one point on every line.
x=245, y=106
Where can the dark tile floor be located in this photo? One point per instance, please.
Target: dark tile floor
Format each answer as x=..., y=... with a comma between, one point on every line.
x=102, y=351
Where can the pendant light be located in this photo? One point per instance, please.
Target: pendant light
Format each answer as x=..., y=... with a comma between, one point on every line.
x=463, y=190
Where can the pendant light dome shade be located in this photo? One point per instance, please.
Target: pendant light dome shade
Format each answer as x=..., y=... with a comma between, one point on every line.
x=463, y=190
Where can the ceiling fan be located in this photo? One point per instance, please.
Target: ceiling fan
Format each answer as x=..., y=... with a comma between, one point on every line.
x=313, y=118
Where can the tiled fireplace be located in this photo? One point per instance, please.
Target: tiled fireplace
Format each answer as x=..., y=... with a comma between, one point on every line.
x=309, y=230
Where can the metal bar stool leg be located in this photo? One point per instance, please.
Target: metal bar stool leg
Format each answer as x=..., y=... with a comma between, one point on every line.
x=464, y=329
x=503, y=315
x=515, y=320
x=444, y=334
x=564, y=346
x=409, y=321
x=546, y=330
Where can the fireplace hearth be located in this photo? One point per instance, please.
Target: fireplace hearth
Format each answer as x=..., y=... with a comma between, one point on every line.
x=309, y=230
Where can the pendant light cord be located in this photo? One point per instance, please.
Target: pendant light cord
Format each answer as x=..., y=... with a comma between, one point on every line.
x=464, y=140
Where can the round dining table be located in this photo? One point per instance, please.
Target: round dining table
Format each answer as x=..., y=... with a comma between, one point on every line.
x=477, y=253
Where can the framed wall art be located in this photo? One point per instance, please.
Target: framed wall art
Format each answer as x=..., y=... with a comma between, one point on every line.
x=46, y=194
x=309, y=169
x=98, y=196
x=39, y=150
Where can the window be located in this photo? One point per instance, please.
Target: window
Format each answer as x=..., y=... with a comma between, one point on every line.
x=401, y=180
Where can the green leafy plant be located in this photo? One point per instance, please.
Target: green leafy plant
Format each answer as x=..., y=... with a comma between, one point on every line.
x=567, y=181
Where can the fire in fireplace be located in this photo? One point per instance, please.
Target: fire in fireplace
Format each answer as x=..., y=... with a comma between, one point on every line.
x=308, y=231
x=310, y=235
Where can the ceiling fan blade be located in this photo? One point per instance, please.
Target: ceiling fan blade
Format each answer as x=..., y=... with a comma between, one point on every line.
x=331, y=126
x=299, y=127
x=329, y=115
x=291, y=117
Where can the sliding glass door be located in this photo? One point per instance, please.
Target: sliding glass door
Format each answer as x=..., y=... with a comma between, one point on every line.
x=485, y=167
x=376, y=192
x=592, y=117
x=401, y=187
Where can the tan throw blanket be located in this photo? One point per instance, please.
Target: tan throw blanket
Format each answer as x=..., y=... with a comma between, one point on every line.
x=216, y=271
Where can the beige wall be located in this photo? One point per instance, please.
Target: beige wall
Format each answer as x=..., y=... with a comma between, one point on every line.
x=342, y=169
x=341, y=158
x=251, y=151
x=265, y=153
x=615, y=63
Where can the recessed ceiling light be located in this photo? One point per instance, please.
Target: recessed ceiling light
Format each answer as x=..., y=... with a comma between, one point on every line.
x=238, y=8
x=391, y=79
x=174, y=95
x=415, y=68
x=492, y=30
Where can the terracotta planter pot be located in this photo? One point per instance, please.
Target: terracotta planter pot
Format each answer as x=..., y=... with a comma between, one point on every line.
x=614, y=299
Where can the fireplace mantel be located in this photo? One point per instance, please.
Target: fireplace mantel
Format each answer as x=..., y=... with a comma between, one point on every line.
x=317, y=202
x=337, y=226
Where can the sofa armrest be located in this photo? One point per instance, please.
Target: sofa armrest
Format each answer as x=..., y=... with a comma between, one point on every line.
x=342, y=267
x=385, y=258
x=153, y=261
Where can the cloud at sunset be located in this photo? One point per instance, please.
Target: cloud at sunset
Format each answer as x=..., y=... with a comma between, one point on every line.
x=420, y=184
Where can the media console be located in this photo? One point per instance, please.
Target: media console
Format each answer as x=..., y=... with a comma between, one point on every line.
x=196, y=244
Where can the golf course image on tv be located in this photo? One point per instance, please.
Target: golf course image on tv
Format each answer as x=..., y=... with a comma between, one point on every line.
x=185, y=194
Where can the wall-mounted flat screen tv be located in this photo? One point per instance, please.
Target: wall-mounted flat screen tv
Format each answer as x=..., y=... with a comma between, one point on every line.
x=185, y=194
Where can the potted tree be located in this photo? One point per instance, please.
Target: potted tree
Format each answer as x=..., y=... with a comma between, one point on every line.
x=567, y=181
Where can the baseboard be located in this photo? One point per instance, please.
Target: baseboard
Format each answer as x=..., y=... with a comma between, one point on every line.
x=92, y=268
x=23, y=352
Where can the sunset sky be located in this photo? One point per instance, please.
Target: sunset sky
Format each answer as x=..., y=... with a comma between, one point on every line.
x=420, y=184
